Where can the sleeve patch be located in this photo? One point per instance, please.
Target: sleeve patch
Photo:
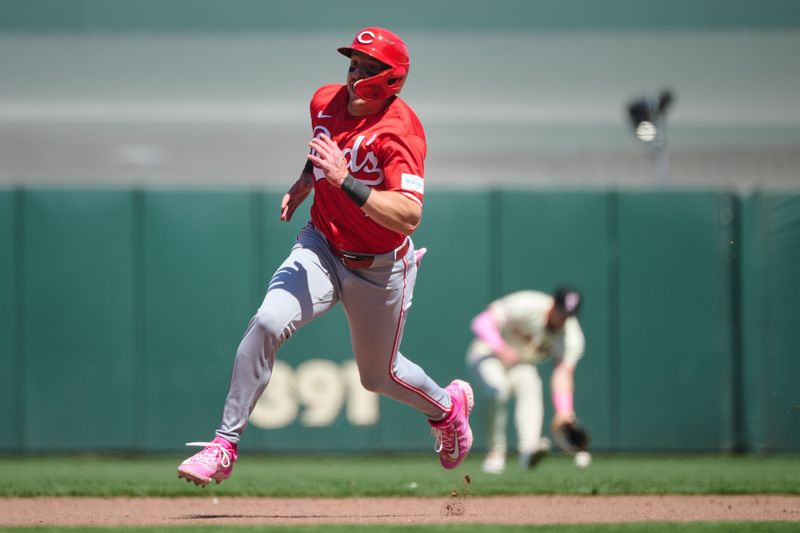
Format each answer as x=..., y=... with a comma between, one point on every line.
x=410, y=182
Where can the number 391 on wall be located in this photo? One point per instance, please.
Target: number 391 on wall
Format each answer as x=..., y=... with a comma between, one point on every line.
x=314, y=395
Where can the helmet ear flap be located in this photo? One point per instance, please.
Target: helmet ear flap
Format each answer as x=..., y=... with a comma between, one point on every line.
x=396, y=82
x=381, y=86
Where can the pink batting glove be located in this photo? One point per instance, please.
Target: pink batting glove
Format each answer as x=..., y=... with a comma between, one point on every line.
x=419, y=254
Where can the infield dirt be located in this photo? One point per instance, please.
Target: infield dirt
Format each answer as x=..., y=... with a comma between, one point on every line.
x=64, y=511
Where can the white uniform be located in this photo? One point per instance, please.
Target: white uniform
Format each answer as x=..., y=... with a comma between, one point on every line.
x=521, y=319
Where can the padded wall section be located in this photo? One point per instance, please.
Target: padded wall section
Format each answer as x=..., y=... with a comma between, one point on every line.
x=676, y=344
x=10, y=361
x=771, y=290
x=197, y=259
x=77, y=320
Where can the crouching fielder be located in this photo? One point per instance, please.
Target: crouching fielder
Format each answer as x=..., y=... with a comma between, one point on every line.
x=512, y=336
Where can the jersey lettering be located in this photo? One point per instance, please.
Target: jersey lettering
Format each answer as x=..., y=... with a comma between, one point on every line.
x=357, y=159
x=368, y=164
x=321, y=130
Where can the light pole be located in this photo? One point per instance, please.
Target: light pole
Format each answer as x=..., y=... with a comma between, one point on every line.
x=647, y=116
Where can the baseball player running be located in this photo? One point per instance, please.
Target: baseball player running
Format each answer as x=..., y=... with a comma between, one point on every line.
x=365, y=168
x=512, y=336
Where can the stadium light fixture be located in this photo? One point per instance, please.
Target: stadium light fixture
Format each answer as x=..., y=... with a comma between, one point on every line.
x=647, y=116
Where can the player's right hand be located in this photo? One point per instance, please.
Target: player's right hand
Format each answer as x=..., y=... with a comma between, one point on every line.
x=508, y=355
x=328, y=157
x=296, y=195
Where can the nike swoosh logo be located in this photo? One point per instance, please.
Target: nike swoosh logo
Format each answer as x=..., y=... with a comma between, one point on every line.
x=454, y=455
x=322, y=115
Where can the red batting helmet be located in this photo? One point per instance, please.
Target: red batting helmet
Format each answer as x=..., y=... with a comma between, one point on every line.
x=387, y=48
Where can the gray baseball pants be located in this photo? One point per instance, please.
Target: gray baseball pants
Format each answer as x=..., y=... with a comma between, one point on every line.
x=376, y=300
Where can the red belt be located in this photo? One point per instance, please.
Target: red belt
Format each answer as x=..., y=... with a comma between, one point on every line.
x=356, y=261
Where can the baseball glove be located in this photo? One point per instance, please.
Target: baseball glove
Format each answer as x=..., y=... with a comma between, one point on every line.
x=571, y=437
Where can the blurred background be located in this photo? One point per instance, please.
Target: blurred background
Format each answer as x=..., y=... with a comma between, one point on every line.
x=514, y=92
x=144, y=147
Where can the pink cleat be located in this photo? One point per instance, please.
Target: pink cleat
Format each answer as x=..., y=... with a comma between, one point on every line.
x=215, y=462
x=453, y=434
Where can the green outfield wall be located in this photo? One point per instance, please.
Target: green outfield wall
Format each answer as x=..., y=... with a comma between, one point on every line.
x=769, y=320
x=10, y=355
x=121, y=310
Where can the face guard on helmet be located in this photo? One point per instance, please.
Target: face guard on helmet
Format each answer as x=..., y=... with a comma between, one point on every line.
x=387, y=48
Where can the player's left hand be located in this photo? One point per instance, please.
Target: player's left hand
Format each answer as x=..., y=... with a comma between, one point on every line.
x=571, y=436
x=327, y=155
x=562, y=418
x=292, y=199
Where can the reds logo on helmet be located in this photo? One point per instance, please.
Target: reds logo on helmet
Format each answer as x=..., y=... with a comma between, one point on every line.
x=366, y=37
x=388, y=48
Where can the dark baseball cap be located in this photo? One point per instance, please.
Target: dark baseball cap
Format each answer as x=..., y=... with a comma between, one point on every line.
x=568, y=300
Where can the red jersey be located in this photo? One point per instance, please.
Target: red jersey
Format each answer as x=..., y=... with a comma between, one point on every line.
x=385, y=151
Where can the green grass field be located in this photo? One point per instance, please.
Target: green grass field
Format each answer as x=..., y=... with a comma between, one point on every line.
x=405, y=475
x=411, y=475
